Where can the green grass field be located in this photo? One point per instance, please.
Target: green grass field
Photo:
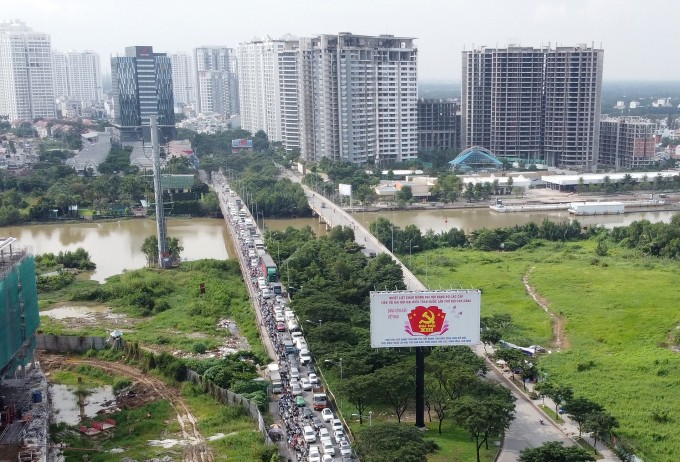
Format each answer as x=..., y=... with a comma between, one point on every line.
x=619, y=309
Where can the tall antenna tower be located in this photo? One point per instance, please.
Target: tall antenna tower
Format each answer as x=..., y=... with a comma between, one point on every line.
x=161, y=233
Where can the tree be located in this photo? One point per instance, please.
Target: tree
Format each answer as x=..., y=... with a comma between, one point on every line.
x=600, y=425
x=391, y=443
x=485, y=416
x=555, y=451
x=559, y=394
x=150, y=249
x=544, y=389
x=469, y=192
x=602, y=249
x=360, y=392
x=398, y=385
x=438, y=400
x=491, y=337
x=511, y=181
x=404, y=194
x=579, y=409
x=516, y=359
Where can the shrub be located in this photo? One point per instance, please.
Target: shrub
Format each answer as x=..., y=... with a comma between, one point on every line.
x=199, y=348
x=120, y=384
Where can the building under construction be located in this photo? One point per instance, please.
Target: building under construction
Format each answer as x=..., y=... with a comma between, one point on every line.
x=24, y=415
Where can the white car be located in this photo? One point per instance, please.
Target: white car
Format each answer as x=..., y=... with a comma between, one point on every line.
x=305, y=384
x=345, y=448
x=295, y=388
x=295, y=334
x=336, y=424
x=327, y=458
x=278, y=317
x=294, y=373
x=313, y=379
x=305, y=356
x=327, y=415
x=340, y=436
x=310, y=436
x=328, y=448
x=324, y=434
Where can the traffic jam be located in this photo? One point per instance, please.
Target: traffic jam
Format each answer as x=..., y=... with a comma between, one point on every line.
x=309, y=428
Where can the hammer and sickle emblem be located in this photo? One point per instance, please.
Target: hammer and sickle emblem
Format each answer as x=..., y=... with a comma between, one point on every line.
x=428, y=317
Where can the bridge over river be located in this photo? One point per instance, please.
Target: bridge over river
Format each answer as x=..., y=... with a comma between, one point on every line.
x=525, y=430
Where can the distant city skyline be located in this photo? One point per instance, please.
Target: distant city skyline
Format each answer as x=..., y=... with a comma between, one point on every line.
x=632, y=34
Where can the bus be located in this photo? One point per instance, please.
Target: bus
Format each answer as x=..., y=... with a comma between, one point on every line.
x=269, y=268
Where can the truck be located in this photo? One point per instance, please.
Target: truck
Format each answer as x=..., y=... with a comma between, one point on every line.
x=275, y=377
x=277, y=385
x=268, y=268
x=319, y=398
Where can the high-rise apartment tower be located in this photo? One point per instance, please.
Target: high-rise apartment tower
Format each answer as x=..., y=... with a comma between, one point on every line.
x=358, y=98
x=534, y=104
x=26, y=87
x=217, y=80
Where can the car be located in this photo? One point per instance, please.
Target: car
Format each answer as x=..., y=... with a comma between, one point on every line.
x=345, y=448
x=278, y=317
x=327, y=457
x=328, y=448
x=253, y=262
x=281, y=326
x=266, y=293
x=308, y=414
x=301, y=343
x=327, y=415
x=324, y=434
x=372, y=254
x=317, y=423
x=314, y=454
x=295, y=388
x=310, y=435
x=340, y=436
x=296, y=334
x=279, y=299
x=305, y=384
x=311, y=369
x=294, y=373
x=336, y=424
x=299, y=401
x=305, y=356
x=313, y=379
x=347, y=459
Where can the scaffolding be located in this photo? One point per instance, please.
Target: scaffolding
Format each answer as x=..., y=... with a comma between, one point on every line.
x=19, y=317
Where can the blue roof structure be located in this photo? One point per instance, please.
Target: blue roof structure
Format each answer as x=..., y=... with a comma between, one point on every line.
x=476, y=158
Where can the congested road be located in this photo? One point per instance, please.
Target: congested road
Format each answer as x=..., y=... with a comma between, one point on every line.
x=303, y=433
x=525, y=431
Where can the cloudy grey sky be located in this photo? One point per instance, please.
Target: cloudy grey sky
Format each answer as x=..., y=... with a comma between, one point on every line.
x=639, y=37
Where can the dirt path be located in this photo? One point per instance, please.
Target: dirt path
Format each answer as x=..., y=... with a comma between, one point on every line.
x=197, y=450
x=558, y=322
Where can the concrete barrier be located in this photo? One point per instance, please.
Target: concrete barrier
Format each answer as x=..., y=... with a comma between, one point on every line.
x=69, y=343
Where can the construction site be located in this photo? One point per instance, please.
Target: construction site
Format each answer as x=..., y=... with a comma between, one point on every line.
x=24, y=408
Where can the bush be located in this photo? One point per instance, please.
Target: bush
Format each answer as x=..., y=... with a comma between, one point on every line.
x=120, y=384
x=199, y=348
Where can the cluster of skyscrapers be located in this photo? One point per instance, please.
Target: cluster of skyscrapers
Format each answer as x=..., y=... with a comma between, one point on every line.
x=347, y=97
x=36, y=81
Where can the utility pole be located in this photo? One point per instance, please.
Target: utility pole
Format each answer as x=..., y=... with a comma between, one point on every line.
x=158, y=191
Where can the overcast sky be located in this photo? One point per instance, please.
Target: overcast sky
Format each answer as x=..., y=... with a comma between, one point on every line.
x=639, y=38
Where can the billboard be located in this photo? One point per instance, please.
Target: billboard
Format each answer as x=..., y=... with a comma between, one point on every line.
x=242, y=143
x=432, y=318
x=345, y=189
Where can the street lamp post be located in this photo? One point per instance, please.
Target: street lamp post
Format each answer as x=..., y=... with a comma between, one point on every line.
x=328, y=361
x=392, y=238
x=370, y=417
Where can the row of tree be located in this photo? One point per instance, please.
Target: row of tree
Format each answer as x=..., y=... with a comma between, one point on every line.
x=411, y=240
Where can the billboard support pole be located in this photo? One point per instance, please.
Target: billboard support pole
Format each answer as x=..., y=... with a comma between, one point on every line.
x=420, y=387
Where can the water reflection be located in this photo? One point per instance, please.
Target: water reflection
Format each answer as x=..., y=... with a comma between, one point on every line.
x=115, y=246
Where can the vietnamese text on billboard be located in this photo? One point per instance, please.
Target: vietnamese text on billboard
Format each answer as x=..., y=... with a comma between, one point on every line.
x=434, y=318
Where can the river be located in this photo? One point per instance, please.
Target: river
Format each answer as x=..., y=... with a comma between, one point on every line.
x=115, y=246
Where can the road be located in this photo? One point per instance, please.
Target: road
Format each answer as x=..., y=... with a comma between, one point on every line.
x=525, y=430
x=196, y=449
x=92, y=154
